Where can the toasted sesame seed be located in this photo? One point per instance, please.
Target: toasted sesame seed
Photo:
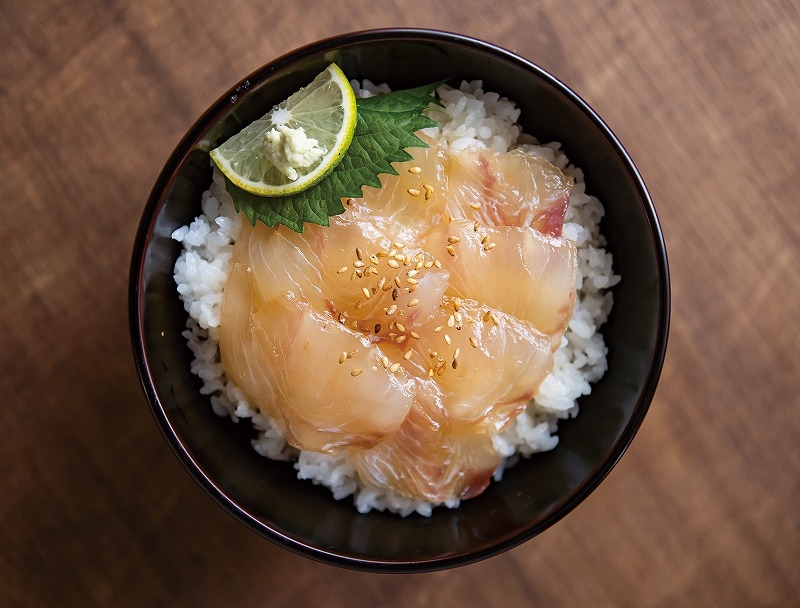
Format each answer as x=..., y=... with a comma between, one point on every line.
x=408, y=354
x=437, y=263
x=413, y=192
x=451, y=321
x=453, y=239
x=359, y=272
x=355, y=372
x=485, y=240
x=428, y=264
x=377, y=328
x=385, y=362
x=341, y=270
x=418, y=265
x=489, y=246
x=382, y=253
x=455, y=354
x=494, y=318
x=350, y=201
x=393, y=253
x=475, y=226
x=374, y=259
x=437, y=329
x=440, y=371
x=472, y=342
x=414, y=335
x=412, y=281
x=450, y=219
x=430, y=372
x=342, y=357
x=413, y=302
x=414, y=169
x=392, y=309
x=359, y=255
x=400, y=339
x=395, y=293
x=381, y=282
x=475, y=206
x=413, y=288
x=451, y=250
x=428, y=187
x=487, y=315
x=406, y=260
x=447, y=339
x=397, y=245
x=353, y=276
x=354, y=323
x=367, y=293
x=394, y=367
x=393, y=263
x=399, y=257
x=400, y=327
x=357, y=305
x=387, y=286
x=455, y=363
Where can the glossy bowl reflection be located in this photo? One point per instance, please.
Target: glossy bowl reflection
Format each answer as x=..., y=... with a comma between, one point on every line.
x=265, y=495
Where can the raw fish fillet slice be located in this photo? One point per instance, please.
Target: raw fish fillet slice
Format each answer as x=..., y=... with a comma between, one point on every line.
x=388, y=274
x=522, y=273
x=410, y=204
x=499, y=361
x=284, y=356
x=281, y=262
x=509, y=189
x=431, y=457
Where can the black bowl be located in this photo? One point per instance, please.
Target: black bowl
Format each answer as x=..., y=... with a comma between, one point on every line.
x=304, y=518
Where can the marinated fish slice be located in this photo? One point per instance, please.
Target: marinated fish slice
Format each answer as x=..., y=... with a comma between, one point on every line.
x=431, y=457
x=487, y=363
x=281, y=262
x=355, y=402
x=516, y=270
x=510, y=189
x=410, y=204
x=388, y=282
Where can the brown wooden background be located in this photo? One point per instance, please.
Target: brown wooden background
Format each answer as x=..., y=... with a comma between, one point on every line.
x=704, y=509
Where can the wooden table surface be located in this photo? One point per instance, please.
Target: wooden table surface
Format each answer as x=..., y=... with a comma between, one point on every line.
x=704, y=508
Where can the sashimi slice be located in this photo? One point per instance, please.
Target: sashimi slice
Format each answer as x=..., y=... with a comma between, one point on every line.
x=519, y=271
x=487, y=363
x=287, y=362
x=509, y=189
x=430, y=457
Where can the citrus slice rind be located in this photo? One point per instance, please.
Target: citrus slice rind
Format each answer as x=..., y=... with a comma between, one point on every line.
x=325, y=111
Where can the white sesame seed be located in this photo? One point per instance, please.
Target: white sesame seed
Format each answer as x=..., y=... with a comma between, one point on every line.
x=342, y=357
x=393, y=263
x=414, y=169
x=472, y=342
x=413, y=192
x=394, y=367
x=413, y=302
x=400, y=327
x=367, y=293
x=355, y=372
x=341, y=270
x=408, y=354
x=453, y=239
x=412, y=281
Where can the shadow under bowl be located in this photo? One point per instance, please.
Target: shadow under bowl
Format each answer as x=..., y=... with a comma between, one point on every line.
x=265, y=495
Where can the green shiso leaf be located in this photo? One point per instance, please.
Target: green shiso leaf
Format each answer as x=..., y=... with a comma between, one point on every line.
x=385, y=127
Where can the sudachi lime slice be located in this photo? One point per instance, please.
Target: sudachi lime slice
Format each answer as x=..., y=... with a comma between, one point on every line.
x=297, y=143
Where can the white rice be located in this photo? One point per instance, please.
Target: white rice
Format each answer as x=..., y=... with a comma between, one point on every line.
x=470, y=117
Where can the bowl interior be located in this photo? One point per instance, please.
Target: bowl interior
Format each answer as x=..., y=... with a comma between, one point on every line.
x=265, y=494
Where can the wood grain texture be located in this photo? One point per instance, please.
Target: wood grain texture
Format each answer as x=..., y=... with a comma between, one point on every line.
x=701, y=511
